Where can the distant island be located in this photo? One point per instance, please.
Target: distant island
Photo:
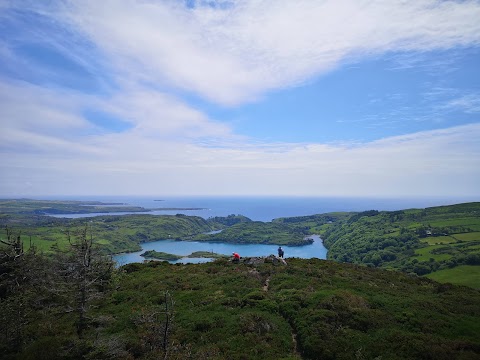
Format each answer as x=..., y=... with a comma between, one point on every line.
x=158, y=255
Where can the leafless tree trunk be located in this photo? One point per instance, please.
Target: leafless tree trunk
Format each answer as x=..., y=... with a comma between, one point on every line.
x=20, y=276
x=154, y=325
x=85, y=273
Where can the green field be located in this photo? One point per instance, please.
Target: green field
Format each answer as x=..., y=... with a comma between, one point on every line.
x=468, y=236
x=439, y=240
x=468, y=275
x=425, y=254
x=452, y=238
x=472, y=222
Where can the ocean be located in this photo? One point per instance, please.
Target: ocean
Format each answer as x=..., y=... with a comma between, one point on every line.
x=264, y=208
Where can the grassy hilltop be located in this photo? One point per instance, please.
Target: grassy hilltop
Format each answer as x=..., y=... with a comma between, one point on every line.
x=438, y=242
x=309, y=309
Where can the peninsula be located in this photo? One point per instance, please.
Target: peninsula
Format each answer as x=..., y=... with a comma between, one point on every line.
x=70, y=207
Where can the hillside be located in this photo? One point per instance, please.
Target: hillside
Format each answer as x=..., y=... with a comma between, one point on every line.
x=439, y=242
x=114, y=234
x=309, y=309
x=257, y=232
x=421, y=241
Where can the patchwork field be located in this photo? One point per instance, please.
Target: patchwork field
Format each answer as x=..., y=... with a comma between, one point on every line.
x=467, y=275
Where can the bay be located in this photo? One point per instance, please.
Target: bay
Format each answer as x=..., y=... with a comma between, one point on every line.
x=314, y=250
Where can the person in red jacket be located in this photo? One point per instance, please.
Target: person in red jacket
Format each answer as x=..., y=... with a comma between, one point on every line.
x=236, y=257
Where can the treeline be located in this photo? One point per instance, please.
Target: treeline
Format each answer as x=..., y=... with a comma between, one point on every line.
x=313, y=224
x=229, y=220
x=257, y=232
x=370, y=239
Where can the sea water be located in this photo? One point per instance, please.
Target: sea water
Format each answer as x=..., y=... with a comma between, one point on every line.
x=262, y=208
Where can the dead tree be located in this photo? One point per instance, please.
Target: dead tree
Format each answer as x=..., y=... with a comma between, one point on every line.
x=154, y=326
x=20, y=280
x=85, y=275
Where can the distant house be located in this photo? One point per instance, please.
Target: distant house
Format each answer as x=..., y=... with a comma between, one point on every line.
x=428, y=232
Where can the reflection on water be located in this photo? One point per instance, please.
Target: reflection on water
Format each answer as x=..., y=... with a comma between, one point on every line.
x=185, y=248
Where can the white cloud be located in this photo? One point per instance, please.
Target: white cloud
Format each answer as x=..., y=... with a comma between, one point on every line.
x=234, y=54
x=437, y=162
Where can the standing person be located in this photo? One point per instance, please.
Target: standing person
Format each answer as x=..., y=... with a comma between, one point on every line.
x=280, y=252
x=236, y=257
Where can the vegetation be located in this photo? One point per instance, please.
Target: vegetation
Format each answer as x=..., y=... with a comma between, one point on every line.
x=314, y=224
x=49, y=295
x=125, y=233
x=309, y=309
x=152, y=254
x=420, y=241
x=70, y=302
x=207, y=254
x=55, y=207
x=467, y=275
x=114, y=234
x=44, y=207
x=229, y=220
x=257, y=232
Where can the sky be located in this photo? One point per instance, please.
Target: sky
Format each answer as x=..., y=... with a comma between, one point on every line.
x=354, y=98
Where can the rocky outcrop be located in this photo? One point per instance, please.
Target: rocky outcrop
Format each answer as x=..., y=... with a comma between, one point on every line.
x=262, y=259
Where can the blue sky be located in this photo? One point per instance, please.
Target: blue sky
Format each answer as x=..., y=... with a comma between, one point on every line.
x=252, y=97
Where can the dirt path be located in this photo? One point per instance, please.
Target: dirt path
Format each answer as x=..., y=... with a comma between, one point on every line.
x=295, y=349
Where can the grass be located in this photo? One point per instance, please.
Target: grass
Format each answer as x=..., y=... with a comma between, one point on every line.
x=424, y=254
x=468, y=236
x=453, y=238
x=472, y=222
x=308, y=309
x=115, y=234
x=152, y=254
x=207, y=254
x=439, y=240
x=467, y=275
x=335, y=310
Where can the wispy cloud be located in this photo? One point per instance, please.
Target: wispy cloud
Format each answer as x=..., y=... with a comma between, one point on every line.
x=231, y=54
x=470, y=103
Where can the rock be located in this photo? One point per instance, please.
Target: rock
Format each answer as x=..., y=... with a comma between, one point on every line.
x=256, y=260
x=275, y=260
